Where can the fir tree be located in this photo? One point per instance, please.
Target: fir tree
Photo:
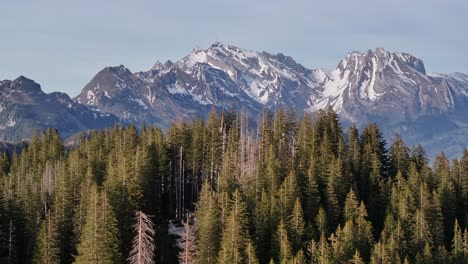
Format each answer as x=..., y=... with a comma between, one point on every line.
x=48, y=244
x=283, y=245
x=208, y=226
x=99, y=242
x=250, y=255
x=320, y=252
x=235, y=233
x=296, y=225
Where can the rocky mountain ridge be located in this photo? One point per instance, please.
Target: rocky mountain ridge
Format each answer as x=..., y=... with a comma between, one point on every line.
x=25, y=108
x=390, y=88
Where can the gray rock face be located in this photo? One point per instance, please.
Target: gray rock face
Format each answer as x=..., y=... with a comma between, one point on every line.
x=222, y=76
x=24, y=107
x=386, y=85
x=390, y=88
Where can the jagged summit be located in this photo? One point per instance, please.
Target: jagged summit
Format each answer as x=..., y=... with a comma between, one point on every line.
x=221, y=72
x=24, y=107
x=374, y=85
x=377, y=85
x=385, y=58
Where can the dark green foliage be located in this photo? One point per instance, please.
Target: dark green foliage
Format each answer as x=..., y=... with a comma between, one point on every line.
x=99, y=240
x=235, y=239
x=208, y=226
x=288, y=191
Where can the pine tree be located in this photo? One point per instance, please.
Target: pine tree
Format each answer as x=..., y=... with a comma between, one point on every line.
x=214, y=145
x=208, y=226
x=299, y=258
x=333, y=208
x=287, y=194
x=320, y=251
x=446, y=195
x=399, y=156
x=421, y=231
x=283, y=245
x=337, y=178
x=263, y=227
x=321, y=221
x=379, y=254
x=351, y=207
x=235, y=233
x=311, y=194
x=250, y=255
x=462, y=213
x=354, y=151
x=458, y=253
x=99, y=242
x=296, y=225
x=356, y=258
x=357, y=231
x=48, y=244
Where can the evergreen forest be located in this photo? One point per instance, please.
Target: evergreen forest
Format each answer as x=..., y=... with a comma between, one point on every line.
x=287, y=190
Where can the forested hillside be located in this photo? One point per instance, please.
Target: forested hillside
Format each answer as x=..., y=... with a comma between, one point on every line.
x=286, y=191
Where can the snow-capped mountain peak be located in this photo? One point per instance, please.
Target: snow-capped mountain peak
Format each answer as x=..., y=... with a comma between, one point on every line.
x=375, y=84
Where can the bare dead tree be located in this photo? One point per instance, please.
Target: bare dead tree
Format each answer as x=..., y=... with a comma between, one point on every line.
x=48, y=184
x=143, y=244
x=188, y=244
x=11, y=243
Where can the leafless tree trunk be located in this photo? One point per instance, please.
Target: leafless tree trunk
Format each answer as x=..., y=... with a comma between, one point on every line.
x=11, y=243
x=188, y=254
x=143, y=244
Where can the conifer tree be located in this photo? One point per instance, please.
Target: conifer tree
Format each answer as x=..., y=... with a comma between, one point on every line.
x=321, y=221
x=354, y=151
x=304, y=179
x=351, y=207
x=99, y=241
x=446, y=195
x=357, y=258
x=300, y=258
x=48, y=243
x=421, y=231
x=379, y=254
x=283, y=245
x=208, y=226
x=250, y=255
x=214, y=145
x=320, y=252
x=333, y=208
x=287, y=194
x=311, y=194
x=235, y=233
x=399, y=156
x=263, y=227
x=458, y=253
x=337, y=178
x=296, y=225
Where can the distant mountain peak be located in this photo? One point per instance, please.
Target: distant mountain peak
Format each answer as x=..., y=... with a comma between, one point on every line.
x=24, y=107
x=376, y=84
x=382, y=59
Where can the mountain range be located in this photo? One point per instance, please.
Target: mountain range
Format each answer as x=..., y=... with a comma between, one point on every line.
x=392, y=89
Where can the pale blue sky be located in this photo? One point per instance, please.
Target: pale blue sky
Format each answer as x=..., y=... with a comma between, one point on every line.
x=62, y=44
